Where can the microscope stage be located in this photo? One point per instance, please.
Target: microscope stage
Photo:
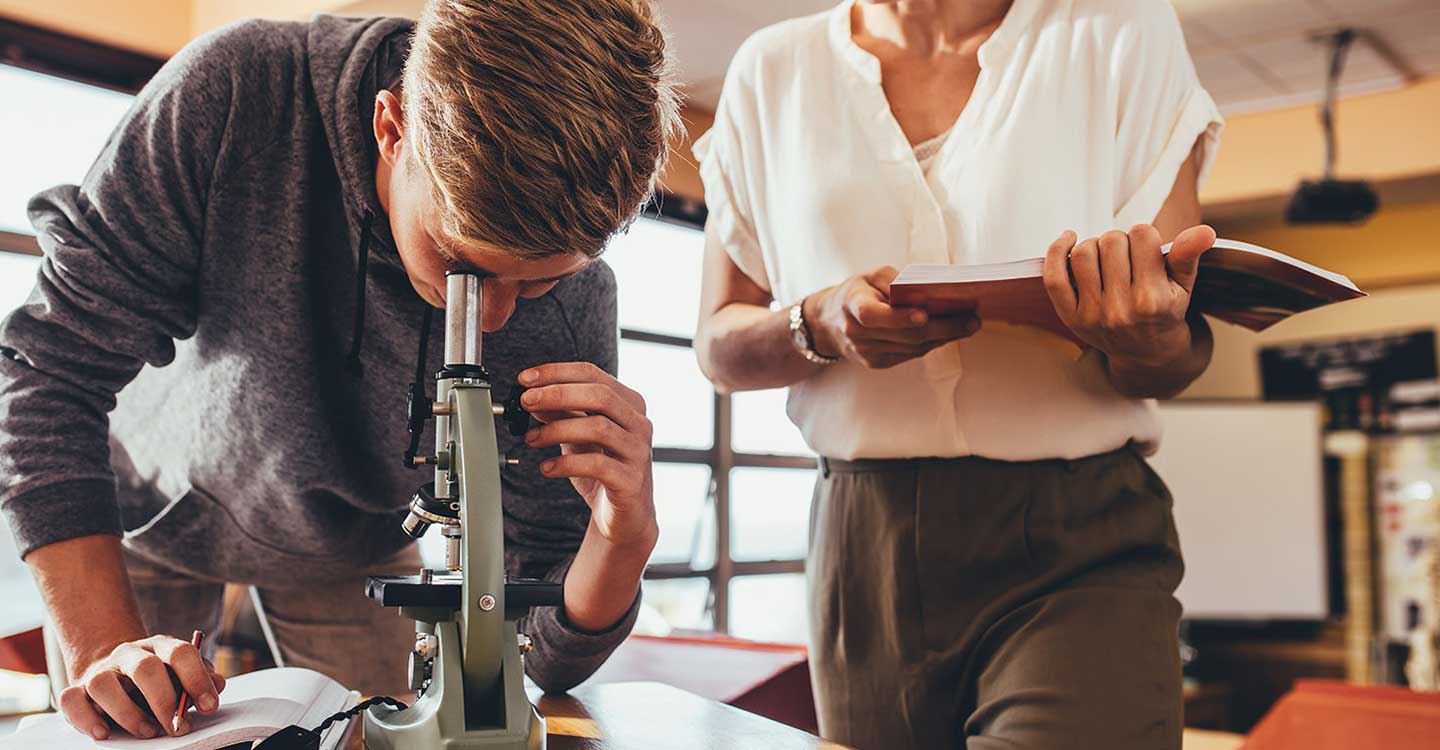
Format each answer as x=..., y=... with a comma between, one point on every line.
x=444, y=591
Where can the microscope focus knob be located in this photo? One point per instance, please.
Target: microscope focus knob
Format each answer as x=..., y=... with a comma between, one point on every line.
x=419, y=671
x=517, y=420
x=418, y=410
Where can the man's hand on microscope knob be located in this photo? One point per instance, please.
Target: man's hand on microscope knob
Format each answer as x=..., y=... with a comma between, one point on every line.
x=605, y=450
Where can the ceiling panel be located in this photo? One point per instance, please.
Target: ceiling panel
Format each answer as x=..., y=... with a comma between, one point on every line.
x=1275, y=40
x=1229, y=76
x=1228, y=19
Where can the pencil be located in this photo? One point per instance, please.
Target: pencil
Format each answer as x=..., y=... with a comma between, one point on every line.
x=195, y=640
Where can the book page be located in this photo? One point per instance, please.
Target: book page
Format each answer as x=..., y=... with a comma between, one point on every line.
x=239, y=721
x=252, y=707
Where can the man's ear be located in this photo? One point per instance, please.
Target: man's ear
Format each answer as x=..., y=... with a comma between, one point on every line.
x=389, y=126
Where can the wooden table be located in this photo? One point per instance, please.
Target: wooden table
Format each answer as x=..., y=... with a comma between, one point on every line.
x=1205, y=739
x=652, y=716
x=1207, y=705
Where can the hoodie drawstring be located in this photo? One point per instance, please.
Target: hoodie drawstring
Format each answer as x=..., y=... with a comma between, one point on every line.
x=362, y=265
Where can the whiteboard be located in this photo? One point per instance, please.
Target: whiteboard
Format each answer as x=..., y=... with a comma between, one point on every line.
x=1250, y=508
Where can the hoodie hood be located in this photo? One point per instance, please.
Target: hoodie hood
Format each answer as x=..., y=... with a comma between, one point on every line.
x=350, y=61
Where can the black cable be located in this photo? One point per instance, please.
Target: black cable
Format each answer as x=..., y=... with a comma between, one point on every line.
x=359, y=707
x=296, y=737
x=418, y=408
x=362, y=265
x=1341, y=44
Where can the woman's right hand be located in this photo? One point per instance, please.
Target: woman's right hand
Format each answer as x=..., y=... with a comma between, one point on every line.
x=855, y=320
x=137, y=686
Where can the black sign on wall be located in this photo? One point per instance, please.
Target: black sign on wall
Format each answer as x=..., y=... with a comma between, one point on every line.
x=1308, y=370
x=1352, y=376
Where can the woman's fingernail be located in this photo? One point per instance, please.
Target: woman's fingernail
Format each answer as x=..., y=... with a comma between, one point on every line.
x=917, y=317
x=99, y=731
x=208, y=702
x=531, y=436
x=547, y=466
x=146, y=731
x=530, y=397
x=527, y=376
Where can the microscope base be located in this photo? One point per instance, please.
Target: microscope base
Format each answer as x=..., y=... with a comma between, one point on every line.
x=437, y=719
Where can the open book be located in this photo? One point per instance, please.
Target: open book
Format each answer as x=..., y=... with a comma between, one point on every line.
x=253, y=707
x=1238, y=282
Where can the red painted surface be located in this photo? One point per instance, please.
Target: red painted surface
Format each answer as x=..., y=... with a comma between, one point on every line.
x=1327, y=715
x=769, y=679
x=23, y=653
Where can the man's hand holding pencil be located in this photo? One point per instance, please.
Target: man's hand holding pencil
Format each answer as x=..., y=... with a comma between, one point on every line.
x=144, y=687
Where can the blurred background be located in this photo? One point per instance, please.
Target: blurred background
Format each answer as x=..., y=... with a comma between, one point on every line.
x=1306, y=499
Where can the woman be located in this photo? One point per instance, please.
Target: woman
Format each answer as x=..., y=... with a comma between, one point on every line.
x=992, y=562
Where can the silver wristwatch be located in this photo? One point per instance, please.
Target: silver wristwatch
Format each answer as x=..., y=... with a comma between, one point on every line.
x=801, y=338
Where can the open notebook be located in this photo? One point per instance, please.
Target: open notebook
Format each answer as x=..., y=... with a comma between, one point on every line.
x=253, y=707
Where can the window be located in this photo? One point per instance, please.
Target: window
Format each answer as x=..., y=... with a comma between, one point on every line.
x=23, y=609
x=62, y=124
x=17, y=277
x=733, y=477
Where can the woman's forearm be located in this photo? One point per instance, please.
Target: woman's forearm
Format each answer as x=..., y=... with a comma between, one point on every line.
x=744, y=347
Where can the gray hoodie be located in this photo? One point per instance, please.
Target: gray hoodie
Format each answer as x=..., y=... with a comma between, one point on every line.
x=183, y=371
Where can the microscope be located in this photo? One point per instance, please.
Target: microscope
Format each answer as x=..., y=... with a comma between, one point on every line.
x=467, y=663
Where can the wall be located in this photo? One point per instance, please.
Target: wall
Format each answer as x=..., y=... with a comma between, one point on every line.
x=1393, y=256
x=212, y=14
x=1235, y=370
x=682, y=173
x=1385, y=136
x=1396, y=247
x=154, y=27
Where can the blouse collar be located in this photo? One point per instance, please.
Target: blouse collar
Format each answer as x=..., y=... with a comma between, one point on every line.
x=1016, y=19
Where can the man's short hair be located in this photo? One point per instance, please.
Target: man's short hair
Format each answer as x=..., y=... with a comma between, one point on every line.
x=542, y=124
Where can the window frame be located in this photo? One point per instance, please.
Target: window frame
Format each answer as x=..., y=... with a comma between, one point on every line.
x=71, y=58
x=721, y=457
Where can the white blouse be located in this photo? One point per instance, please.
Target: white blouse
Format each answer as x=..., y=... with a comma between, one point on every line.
x=1081, y=118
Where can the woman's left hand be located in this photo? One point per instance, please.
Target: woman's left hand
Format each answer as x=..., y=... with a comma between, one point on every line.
x=1121, y=295
x=604, y=438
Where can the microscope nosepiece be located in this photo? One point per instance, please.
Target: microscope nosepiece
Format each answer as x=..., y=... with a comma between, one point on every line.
x=426, y=510
x=414, y=525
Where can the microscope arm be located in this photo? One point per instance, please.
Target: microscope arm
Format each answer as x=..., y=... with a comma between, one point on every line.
x=482, y=611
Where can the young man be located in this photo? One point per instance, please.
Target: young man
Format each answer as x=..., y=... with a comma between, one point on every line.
x=239, y=284
x=992, y=562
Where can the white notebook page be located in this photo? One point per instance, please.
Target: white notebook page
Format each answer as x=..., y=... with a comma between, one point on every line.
x=253, y=706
